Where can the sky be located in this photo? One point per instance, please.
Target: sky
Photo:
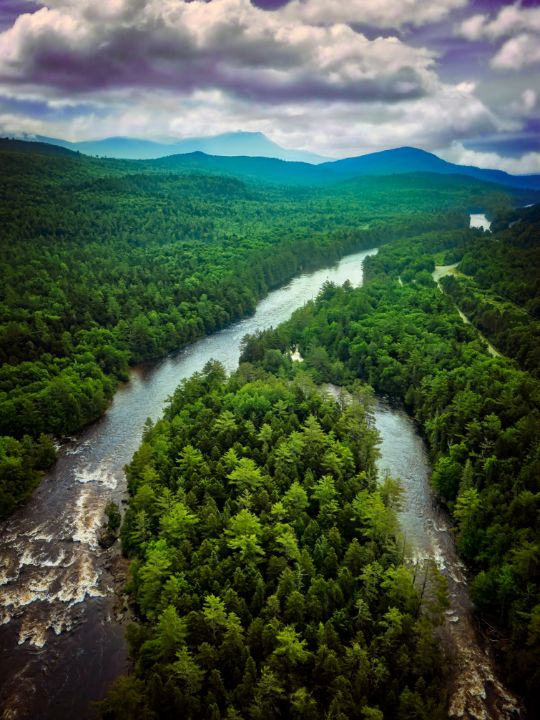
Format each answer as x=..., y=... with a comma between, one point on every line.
x=337, y=77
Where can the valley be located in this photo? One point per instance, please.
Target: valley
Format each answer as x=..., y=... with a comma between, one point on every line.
x=94, y=346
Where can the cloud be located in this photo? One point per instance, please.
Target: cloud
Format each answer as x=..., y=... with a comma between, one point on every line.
x=85, y=47
x=392, y=14
x=529, y=100
x=518, y=26
x=525, y=165
x=303, y=73
x=473, y=28
x=15, y=125
x=518, y=52
x=336, y=128
x=451, y=112
x=510, y=20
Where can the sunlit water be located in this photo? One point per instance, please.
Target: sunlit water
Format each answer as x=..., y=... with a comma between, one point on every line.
x=62, y=632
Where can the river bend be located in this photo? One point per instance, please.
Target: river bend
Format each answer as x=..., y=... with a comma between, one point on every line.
x=62, y=620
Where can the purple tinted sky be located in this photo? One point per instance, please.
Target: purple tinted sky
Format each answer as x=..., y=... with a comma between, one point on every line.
x=270, y=4
x=9, y=11
x=324, y=75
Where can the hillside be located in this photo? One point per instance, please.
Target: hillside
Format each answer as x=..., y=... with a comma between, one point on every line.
x=253, y=156
x=409, y=159
x=131, y=259
x=265, y=169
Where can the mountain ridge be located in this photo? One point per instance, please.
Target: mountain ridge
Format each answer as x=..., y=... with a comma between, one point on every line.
x=407, y=159
x=232, y=144
x=397, y=161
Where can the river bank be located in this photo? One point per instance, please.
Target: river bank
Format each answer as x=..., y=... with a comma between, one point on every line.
x=475, y=690
x=62, y=643
x=63, y=634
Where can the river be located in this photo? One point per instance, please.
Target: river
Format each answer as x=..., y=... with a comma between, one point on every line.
x=474, y=688
x=476, y=691
x=62, y=618
x=62, y=641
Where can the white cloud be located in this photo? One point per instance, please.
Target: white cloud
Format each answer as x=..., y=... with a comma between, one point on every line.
x=302, y=75
x=518, y=26
x=387, y=14
x=338, y=128
x=378, y=13
x=526, y=105
x=518, y=52
x=84, y=47
x=525, y=165
x=473, y=28
x=510, y=20
x=529, y=98
x=14, y=125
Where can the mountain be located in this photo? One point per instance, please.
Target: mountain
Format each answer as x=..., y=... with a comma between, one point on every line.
x=31, y=147
x=389, y=162
x=274, y=170
x=413, y=160
x=253, y=144
x=263, y=169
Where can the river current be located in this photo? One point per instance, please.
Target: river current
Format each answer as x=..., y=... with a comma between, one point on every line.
x=62, y=613
x=62, y=620
x=476, y=690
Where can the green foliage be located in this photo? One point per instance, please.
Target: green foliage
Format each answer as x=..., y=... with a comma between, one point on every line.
x=500, y=288
x=283, y=596
x=104, y=263
x=114, y=517
x=265, y=566
x=20, y=463
x=479, y=414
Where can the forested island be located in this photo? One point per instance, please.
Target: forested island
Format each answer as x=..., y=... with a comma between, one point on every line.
x=268, y=575
x=266, y=561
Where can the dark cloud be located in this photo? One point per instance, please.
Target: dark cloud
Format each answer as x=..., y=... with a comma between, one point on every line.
x=270, y=4
x=78, y=49
x=511, y=144
x=334, y=76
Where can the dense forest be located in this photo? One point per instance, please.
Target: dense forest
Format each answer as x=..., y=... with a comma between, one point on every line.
x=479, y=414
x=265, y=562
x=104, y=263
x=497, y=285
x=267, y=569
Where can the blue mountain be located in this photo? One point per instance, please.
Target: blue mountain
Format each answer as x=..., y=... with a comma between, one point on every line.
x=253, y=144
x=268, y=168
x=413, y=160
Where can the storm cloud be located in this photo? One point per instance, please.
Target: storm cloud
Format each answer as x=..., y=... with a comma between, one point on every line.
x=226, y=44
x=335, y=77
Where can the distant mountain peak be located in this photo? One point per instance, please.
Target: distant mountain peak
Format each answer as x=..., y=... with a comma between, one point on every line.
x=253, y=162
x=407, y=159
x=235, y=143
